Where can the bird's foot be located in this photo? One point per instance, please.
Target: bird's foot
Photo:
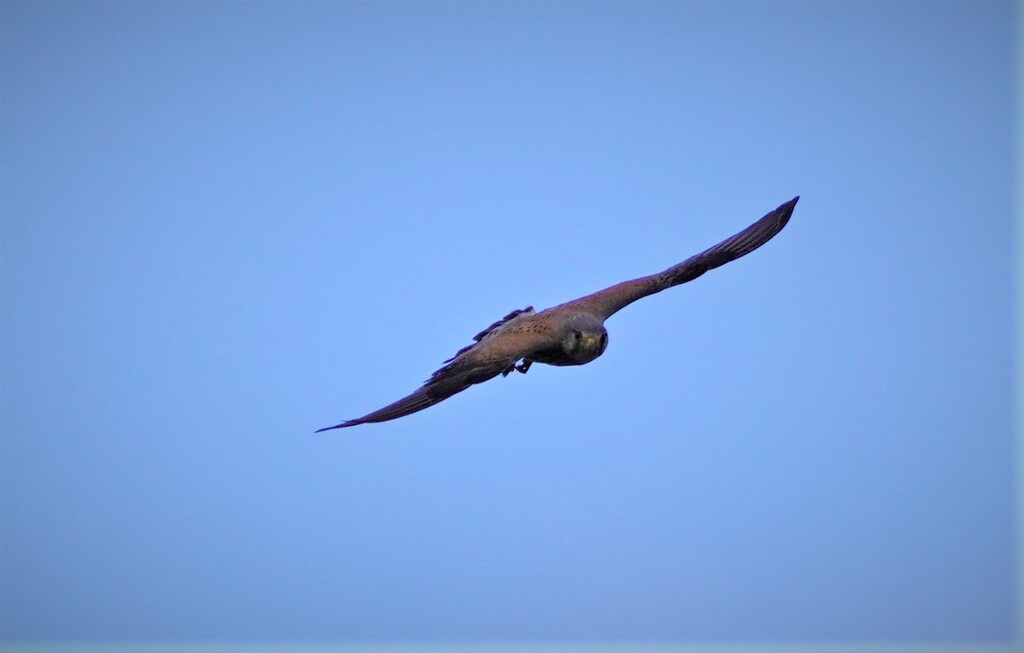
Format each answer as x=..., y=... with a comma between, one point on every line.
x=524, y=366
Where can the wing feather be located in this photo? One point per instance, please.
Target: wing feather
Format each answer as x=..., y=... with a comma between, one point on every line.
x=605, y=303
x=447, y=381
x=486, y=332
x=496, y=350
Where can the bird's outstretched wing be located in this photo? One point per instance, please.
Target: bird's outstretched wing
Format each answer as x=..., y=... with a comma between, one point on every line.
x=604, y=303
x=447, y=381
x=495, y=351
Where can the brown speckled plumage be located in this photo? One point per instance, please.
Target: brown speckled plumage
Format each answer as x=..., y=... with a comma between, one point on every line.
x=572, y=333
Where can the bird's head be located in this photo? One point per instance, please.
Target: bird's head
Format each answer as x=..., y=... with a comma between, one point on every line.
x=584, y=339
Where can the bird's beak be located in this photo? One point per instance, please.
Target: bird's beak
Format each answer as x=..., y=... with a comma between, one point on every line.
x=589, y=341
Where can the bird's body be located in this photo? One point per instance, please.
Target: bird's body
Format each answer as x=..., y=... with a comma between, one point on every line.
x=572, y=333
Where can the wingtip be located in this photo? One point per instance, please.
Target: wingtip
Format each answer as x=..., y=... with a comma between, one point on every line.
x=345, y=424
x=785, y=210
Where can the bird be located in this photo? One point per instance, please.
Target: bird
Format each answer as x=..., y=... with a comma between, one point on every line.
x=572, y=333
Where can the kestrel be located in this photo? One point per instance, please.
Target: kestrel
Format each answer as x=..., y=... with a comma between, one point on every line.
x=572, y=333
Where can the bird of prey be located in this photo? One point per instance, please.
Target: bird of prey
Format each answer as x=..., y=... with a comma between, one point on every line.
x=572, y=333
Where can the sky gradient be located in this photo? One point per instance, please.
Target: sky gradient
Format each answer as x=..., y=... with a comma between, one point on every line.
x=225, y=225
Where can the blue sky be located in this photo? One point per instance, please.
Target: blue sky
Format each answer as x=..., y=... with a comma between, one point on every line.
x=225, y=225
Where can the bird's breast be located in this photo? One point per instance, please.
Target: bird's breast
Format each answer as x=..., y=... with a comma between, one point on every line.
x=558, y=356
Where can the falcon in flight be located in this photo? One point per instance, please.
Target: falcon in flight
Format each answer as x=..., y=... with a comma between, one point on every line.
x=572, y=333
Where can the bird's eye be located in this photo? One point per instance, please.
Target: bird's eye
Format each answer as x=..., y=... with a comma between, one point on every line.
x=576, y=335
